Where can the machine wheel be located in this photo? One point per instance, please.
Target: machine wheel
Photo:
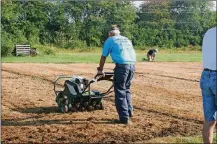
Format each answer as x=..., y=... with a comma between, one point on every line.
x=77, y=106
x=66, y=101
x=97, y=107
x=94, y=104
x=64, y=108
x=59, y=96
x=73, y=109
x=81, y=108
x=89, y=108
x=101, y=107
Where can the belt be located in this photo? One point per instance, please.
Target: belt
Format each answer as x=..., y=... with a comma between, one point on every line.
x=125, y=64
x=209, y=70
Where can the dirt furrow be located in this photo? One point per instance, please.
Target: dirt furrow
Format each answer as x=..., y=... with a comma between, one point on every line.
x=165, y=104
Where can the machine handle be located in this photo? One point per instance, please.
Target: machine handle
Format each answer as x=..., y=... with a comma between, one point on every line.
x=107, y=76
x=104, y=94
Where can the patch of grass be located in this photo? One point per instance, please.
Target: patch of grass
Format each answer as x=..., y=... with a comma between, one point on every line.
x=174, y=57
x=57, y=58
x=94, y=57
x=179, y=139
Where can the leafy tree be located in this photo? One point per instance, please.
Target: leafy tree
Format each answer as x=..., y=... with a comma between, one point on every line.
x=178, y=23
x=82, y=24
x=10, y=27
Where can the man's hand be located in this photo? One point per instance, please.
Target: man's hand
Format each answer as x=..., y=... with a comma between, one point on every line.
x=100, y=68
x=100, y=73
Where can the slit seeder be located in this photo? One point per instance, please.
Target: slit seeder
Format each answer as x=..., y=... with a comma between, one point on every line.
x=77, y=94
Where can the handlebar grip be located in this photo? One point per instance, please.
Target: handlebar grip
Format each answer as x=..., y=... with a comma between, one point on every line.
x=107, y=76
x=109, y=73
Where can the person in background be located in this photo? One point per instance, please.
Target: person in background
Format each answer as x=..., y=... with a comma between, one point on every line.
x=151, y=54
x=123, y=55
x=208, y=84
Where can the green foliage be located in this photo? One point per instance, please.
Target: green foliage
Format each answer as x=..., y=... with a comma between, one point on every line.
x=49, y=51
x=85, y=24
x=73, y=44
x=21, y=55
x=6, y=44
x=12, y=33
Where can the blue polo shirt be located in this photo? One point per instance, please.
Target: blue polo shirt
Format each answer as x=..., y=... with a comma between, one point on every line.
x=120, y=49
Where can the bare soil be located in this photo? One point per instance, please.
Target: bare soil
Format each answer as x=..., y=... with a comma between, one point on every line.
x=166, y=98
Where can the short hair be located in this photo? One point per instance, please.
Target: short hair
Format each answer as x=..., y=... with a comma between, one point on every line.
x=114, y=29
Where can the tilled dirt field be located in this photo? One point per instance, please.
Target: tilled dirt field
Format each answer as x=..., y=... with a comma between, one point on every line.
x=166, y=99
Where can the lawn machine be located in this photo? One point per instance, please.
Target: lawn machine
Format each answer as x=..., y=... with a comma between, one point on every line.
x=77, y=94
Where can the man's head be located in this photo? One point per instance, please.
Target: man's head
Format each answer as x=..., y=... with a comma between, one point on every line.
x=114, y=30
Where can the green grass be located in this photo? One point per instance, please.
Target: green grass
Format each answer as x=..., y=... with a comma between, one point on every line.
x=58, y=58
x=94, y=57
x=175, y=57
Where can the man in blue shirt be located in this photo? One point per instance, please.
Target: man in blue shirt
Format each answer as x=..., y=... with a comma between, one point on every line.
x=123, y=55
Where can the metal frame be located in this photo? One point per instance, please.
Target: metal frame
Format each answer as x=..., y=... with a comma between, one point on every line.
x=108, y=76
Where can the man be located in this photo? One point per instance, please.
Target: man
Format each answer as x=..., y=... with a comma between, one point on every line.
x=151, y=54
x=208, y=84
x=123, y=55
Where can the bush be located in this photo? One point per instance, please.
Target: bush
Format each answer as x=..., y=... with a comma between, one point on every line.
x=21, y=55
x=6, y=44
x=49, y=51
x=75, y=44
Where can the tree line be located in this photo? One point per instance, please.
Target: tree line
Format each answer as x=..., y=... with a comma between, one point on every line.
x=85, y=24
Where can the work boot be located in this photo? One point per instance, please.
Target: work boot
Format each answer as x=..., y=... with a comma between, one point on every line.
x=130, y=113
x=126, y=122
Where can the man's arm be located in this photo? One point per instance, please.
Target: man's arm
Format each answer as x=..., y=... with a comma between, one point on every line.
x=101, y=63
x=105, y=53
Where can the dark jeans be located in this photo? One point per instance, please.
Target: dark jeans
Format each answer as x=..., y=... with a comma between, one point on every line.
x=123, y=75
